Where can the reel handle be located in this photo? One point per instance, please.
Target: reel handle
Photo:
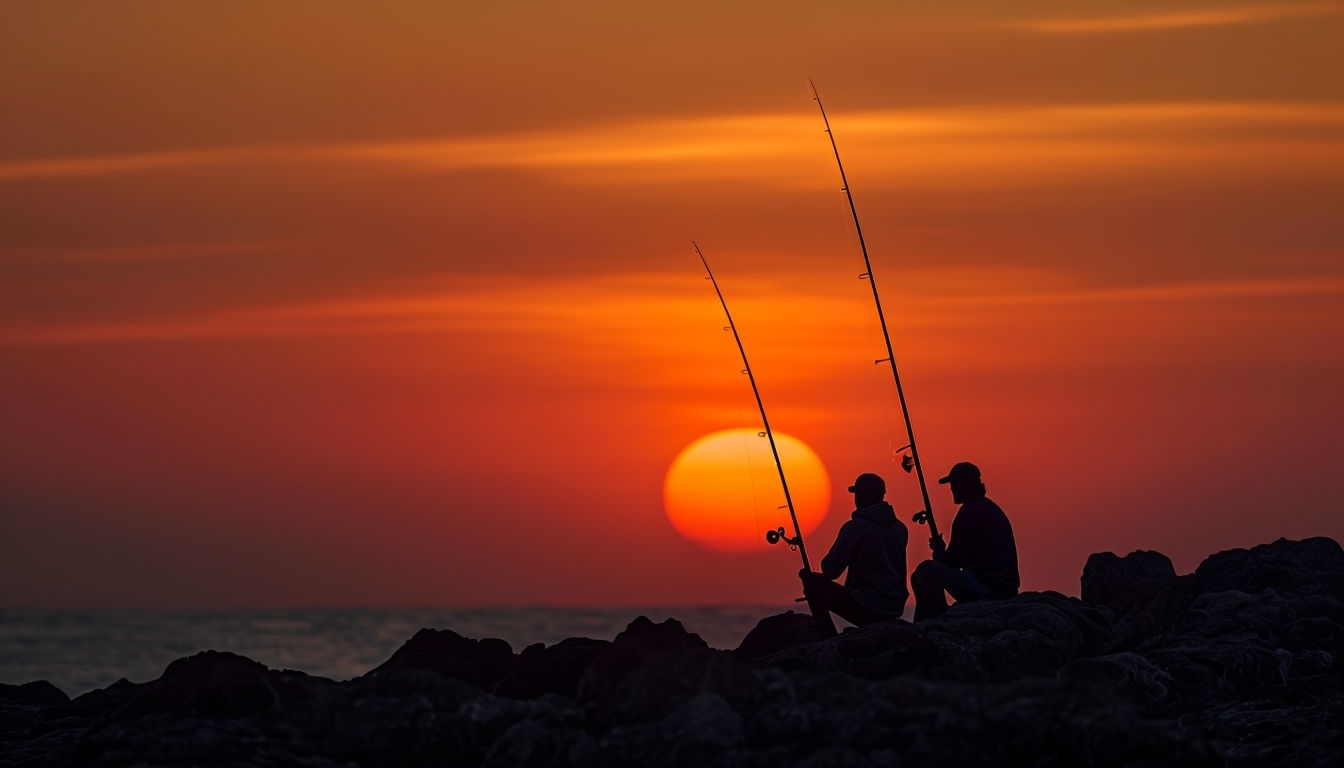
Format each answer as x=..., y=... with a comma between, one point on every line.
x=778, y=535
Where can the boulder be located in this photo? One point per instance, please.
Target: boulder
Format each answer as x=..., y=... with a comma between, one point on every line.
x=39, y=693
x=1141, y=589
x=208, y=684
x=1312, y=566
x=775, y=633
x=482, y=662
x=555, y=669
x=649, y=669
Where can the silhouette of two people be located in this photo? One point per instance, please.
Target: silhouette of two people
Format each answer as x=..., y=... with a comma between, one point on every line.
x=979, y=562
x=870, y=547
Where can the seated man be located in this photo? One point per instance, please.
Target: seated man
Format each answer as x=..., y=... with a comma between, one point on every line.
x=871, y=546
x=981, y=560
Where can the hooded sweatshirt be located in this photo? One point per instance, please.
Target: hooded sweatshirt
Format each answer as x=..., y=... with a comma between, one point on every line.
x=871, y=545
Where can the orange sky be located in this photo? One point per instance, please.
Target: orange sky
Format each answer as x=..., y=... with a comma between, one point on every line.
x=331, y=303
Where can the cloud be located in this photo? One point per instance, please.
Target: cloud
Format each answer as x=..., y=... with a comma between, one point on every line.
x=470, y=305
x=746, y=146
x=626, y=310
x=1212, y=290
x=1216, y=17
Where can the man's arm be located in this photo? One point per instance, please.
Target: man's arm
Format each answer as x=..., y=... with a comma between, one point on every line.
x=835, y=561
x=962, y=541
x=939, y=548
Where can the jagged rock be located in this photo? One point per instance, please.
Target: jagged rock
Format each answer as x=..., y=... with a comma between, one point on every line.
x=483, y=662
x=554, y=669
x=1128, y=674
x=884, y=649
x=775, y=633
x=1312, y=566
x=103, y=700
x=1236, y=665
x=37, y=693
x=534, y=742
x=1141, y=589
x=630, y=684
x=638, y=669
x=1034, y=633
x=208, y=684
x=1215, y=614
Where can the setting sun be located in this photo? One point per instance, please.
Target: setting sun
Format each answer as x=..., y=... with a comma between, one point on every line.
x=723, y=490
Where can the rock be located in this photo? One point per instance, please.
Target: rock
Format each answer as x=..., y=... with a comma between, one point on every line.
x=1215, y=614
x=631, y=678
x=208, y=684
x=697, y=732
x=624, y=688
x=1141, y=589
x=1226, y=669
x=483, y=662
x=884, y=649
x=38, y=693
x=1291, y=568
x=775, y=633
x=555, y=669
x=1032, y=634
x=1236, y=665
x=642, y=636
x=1128, y=674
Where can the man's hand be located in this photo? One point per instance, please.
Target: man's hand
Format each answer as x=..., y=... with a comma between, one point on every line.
x=936, y=544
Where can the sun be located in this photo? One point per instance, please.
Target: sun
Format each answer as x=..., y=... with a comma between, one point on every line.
x=723, y=490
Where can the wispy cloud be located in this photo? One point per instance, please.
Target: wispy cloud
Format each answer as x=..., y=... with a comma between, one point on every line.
x=587, y=309
x=470, y=305
x=668, y=142
x=1214, y=290
x=746, y=145
x=1213, y=17
x=148, y=254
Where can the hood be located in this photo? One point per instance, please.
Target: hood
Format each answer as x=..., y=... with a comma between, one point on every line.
x=880, y=513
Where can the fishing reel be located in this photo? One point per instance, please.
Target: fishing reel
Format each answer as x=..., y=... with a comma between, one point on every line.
x=922, y=517
x=778, y=535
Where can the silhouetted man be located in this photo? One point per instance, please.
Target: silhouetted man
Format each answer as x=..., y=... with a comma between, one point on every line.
x=981, y=560
x=871, y=547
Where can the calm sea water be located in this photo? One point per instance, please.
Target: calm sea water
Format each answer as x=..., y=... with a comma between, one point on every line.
x=80, y=651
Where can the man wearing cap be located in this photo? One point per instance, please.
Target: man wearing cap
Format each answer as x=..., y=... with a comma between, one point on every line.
x=871, y=547
x=981, y=560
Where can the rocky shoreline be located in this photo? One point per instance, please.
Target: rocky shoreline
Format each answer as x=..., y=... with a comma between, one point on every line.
x=1238, y=663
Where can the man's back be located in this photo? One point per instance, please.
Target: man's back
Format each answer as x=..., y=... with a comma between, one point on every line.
x=983, y=544
x=872, y=545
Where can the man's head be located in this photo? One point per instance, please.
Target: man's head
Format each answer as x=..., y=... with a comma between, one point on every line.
x=965, y=481
x=868, y=489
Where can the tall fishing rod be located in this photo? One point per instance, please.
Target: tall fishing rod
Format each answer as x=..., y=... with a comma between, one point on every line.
x=925, y=515
x=778, y=534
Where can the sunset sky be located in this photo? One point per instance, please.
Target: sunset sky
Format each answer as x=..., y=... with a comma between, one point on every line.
x=344, y=303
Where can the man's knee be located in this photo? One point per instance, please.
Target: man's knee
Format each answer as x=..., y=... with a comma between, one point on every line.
x=925, y=574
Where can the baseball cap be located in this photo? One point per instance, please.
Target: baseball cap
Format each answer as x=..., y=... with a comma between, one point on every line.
x=868, y=482
x=963, y=472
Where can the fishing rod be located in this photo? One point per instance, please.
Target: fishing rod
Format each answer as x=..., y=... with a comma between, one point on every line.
x=925, y=515
x=778, y=534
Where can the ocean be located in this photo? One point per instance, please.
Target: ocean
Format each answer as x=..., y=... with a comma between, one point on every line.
x=80, y=651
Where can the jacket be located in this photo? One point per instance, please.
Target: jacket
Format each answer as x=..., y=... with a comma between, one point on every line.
x=982, y=544
x=871, y=546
